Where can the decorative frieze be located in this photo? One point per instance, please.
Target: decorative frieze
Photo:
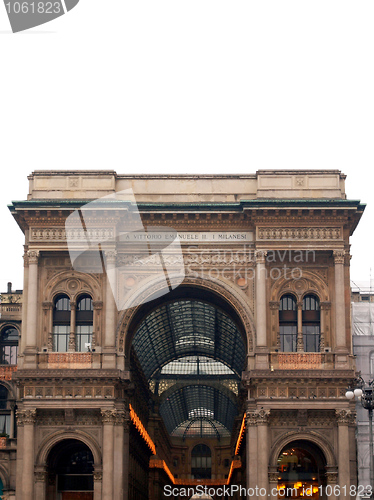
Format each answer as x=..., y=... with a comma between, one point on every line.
x=71, y=391
x=78, y=235
x=299, y=233
x=298, y=361
x=73, y=360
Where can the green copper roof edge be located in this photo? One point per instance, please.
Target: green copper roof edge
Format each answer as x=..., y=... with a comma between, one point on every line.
x=242, y=203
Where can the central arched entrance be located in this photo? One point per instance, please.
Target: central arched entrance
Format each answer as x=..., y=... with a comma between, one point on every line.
x=70, y=471
x=189, y=349
x=301, y=470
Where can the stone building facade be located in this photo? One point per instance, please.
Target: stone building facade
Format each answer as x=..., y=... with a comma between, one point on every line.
x=188, y=330
x=363, y=349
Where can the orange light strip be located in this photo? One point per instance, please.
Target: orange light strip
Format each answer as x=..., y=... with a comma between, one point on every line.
x=142, y=430
x=241, y=434
x=235, y=464
x=161, y=464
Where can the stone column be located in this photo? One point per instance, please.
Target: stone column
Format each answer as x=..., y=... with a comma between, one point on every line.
x=19, y=463
x=261, y=311
x=324, y=307
x=11, y=430
x=273, y=482
x=32, y=301
x=73, y=315
x=26, y=418
x=344, y=418
x=41, y=478
x=300, y=339
x=120, y=422
x=126, y=458
x=98, y=480
x=108, y=417
x=48, y=323
x=110, y=311
x=331, y=481
x=251, y=450
x=262, y=417
x=340, y=334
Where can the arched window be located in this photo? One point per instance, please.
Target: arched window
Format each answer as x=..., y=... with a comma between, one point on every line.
x=9, y=346
x=311, y=323
x=61, y=323
x=201, y=462
x=84, y=323
x=288, y=323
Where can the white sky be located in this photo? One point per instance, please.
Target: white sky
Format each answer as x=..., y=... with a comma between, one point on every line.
x=190, y=87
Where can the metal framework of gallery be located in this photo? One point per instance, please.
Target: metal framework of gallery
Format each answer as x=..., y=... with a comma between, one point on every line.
x=221, y=358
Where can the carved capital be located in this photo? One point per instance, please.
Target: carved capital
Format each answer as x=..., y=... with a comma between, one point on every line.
x=110, y=256
x=274, y=305
x=40, y=475
x=339, y=256
x=257, y=417
x=331, y=477
x=273, y=477
x=98, y=475
x=97, y=304
x=73, y=305
x=325, y=306
x=47, y=306
x=260, y=256
x=108, y=416
x=122, y=417
x=345, y=417
x=26, y=416
x=33, y=256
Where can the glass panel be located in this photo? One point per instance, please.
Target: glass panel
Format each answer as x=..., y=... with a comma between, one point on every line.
x=310, y=303
x=62, y=303
x=5, y=424
x=287, y=303
x=61, y=338
x=8, y=354
x=288, y=337
x=311, y=338
x=83, y=336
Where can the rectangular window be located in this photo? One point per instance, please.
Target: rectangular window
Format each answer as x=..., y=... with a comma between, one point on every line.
x=83, y=336
x=288, y=337
x=311, y=338
x=61, y=338
x=5, y=424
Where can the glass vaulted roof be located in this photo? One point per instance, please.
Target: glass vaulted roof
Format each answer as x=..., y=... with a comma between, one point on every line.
x=192, y=354
x=198, y=402
x=188, y=328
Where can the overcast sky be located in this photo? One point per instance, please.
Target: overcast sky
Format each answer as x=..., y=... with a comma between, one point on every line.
x=190, y=87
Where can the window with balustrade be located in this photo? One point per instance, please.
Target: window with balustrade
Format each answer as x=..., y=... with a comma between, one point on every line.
x=82, y=323
x=308, y=322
